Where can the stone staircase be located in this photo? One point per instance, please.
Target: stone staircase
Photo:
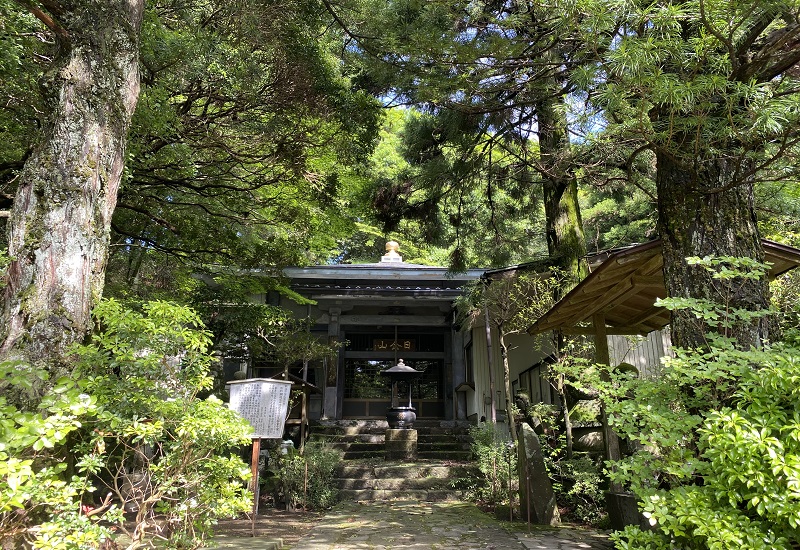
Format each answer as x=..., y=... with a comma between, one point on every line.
x=441, y=471
x=359, y=439
x=421, y=480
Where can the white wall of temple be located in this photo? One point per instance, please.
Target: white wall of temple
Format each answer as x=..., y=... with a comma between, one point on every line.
x=524, y=352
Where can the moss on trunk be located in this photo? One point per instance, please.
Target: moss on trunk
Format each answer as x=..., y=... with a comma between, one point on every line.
x=59, y=224
x=704, y=212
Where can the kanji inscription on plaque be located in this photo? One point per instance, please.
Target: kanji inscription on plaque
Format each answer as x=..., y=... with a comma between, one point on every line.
x=263, y=403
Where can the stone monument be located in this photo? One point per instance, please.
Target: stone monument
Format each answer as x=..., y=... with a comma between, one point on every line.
x=537, y=499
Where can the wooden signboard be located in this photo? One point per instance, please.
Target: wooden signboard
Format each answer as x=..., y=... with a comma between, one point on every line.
x=263, y=402
x=385, y=344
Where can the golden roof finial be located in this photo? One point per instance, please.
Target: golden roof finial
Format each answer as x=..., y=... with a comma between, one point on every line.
x=391, y=253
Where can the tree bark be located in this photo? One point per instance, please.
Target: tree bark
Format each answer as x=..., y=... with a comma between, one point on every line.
x=59, y=225
x=512, y=426
x=563, y=224
x=702, y=212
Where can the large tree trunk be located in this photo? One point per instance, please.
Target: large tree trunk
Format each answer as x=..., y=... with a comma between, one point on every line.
x=59, y=224
x=702, y=213
x=563, y=224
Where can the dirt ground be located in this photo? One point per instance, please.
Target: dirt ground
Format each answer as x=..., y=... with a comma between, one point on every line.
x=271, y=524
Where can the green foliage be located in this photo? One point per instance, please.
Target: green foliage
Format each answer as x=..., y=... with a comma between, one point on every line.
x=717, y=433
x=694, y=78
x=578, y=481
x=580, y=488
x=748, y=457
x=614, y=214
x=785, y=294
x=158, y=448
x=42, y=496
x=428, y=182
x=246, y=129
x=785, y=299
x=496, y=457
x=24, y=50
x=715, y=315
x=296, y=343
x=306, y=480
x=512, y=301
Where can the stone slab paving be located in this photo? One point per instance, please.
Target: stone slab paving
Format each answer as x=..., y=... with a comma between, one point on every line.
x=564, y=538
x=418, y=525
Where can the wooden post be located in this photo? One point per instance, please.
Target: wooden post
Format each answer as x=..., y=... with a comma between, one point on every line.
x=303, y=419
x=491, y=366
x=254, y=473
x=610, y=439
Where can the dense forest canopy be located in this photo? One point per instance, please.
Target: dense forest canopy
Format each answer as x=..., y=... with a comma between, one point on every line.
x=693, y=103
x=302, y=131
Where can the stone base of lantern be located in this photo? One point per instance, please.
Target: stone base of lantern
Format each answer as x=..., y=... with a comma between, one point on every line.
x=401, y=444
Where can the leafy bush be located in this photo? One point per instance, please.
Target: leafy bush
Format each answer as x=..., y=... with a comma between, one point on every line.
x=578, y=481
x=41, y=503
x=497, y=461
x=156, y=446
x=126, y=431
x=718, y=464
x=579, y=486
x=307, y=480
x=748, y=462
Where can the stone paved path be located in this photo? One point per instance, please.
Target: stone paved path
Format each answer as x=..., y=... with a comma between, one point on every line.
x=428, y=525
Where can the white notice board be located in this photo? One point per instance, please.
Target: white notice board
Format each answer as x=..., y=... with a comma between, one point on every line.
x=263, y=403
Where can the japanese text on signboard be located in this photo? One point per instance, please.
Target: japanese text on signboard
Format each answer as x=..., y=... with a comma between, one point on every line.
x=263, y=403
x=384, y=344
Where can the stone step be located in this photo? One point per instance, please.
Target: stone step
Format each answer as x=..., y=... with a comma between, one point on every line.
x=348, y=438
x=443, y=445
x=421, y=480
x=378, y=435
x=446, y=455
x=388, y=494
x=395, y=484
x=413, y=470
x=422, y=438
x=423, y=443
x=359, y=451
x=347, y=430
x=355, y=427
x=363, y=454
x=363, y=439
x=451, y=455
x=418, y=470
x=357, y=446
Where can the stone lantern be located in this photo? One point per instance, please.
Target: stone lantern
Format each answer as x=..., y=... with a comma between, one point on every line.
x=401, y=416
x=401, y=437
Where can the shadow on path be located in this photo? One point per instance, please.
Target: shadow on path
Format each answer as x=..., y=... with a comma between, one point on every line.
x=432, y=525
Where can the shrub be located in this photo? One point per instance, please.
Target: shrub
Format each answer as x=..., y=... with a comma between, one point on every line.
x=158, y=448
x=41, y=503
x=307, y=480
x=742, y=486
x=125, y=431
x=497, y=461
x=579, y=486
x=719, y=436
x=577, y=482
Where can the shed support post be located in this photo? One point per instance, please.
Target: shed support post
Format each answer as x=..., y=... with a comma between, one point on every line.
x=610, y=439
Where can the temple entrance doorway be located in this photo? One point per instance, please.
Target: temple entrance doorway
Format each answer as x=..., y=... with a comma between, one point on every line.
x=366, y=391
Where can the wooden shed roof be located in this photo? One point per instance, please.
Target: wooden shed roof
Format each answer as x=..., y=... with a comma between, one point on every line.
x=624, y=289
